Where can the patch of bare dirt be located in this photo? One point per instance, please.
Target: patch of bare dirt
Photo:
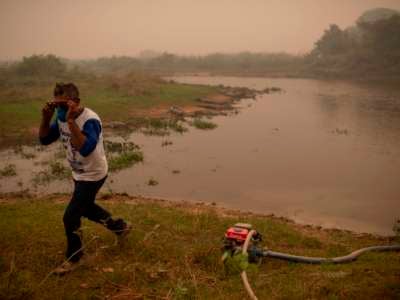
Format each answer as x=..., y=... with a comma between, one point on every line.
x=154, y=112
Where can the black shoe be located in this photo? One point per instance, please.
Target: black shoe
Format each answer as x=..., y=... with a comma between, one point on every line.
x=123, y=233
x=67, y=266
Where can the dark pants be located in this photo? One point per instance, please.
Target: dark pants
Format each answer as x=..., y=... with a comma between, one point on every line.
x=82, y=205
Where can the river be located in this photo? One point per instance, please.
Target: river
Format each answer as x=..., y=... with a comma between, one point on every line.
x=320, y=152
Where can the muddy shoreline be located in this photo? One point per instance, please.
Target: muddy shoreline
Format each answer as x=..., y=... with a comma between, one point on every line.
x=220, y=103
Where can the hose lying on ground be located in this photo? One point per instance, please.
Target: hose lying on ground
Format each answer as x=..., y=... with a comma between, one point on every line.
x=336, y=260
x=305, y=259
x=244, y=274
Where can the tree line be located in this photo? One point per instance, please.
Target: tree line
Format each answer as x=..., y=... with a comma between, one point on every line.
x=370, y=49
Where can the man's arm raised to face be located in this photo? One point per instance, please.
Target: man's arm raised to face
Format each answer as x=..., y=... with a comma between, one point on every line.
x=78, y=139
x=47, y=133
x=85, y=140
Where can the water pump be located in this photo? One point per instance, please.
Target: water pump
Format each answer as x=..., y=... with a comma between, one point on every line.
x=242, y=239
x=235, y=238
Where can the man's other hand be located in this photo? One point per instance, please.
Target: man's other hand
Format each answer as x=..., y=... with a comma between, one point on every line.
x=48, y=111
x=73, y=110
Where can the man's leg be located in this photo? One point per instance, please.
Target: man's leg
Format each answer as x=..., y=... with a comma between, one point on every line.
x=82, y=198
x=98, y=214
x=72, y=222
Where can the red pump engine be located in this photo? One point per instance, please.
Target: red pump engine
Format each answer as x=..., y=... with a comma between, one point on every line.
x=238, y=233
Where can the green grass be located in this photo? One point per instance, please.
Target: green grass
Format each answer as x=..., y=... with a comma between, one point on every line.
x=20, y=109
x=174, y=253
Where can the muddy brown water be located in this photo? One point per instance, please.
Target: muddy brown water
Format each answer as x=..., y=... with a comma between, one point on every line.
x=321, y=152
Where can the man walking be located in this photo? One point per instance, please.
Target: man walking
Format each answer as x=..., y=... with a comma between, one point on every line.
x=80, y=131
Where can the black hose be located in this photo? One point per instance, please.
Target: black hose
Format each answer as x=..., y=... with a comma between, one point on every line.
x=257, y=252
x=320, y=260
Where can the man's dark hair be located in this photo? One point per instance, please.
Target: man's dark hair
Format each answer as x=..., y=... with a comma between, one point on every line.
x=69, y=90
x=58, y=90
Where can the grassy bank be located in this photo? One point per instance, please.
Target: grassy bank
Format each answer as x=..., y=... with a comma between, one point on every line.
x=118, y=99
x=174, y=252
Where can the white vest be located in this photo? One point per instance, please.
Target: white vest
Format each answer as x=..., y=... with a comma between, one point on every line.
x=92, y=167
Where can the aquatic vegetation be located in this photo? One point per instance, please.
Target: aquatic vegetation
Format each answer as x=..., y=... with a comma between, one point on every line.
x=396, y=229
x=60, y=153
x=55, y=170
x=166, y=143
x=162, y=127
x=124, y=160
x=118, y=147
x=202, y=124
x=58, y=170
x=122, y=155
x=152, y=182
x=339, y=131
x=24, y=154
x=176, y=126
x=272, y=89
x=8, y=171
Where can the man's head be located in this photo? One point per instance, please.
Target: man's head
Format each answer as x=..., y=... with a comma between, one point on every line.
x=64, y=92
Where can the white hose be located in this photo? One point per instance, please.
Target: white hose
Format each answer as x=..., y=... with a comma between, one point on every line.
x=244, y=274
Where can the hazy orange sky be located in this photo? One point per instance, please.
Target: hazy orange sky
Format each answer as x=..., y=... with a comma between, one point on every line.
x=93, y=28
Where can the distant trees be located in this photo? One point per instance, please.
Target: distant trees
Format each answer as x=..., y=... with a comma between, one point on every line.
x=370, y=49
x=334, y=41
x=39, y=70
x=383, y=39
x=41, y=65
x=244, y=62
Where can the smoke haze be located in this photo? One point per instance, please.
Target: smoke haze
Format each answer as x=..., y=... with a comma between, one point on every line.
x=89, y=29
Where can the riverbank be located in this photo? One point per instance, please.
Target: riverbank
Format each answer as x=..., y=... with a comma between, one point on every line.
x=323, y=76
x=128, y=102
x=174, y=253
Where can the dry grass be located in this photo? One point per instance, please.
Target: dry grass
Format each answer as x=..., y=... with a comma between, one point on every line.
x=174, y=253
